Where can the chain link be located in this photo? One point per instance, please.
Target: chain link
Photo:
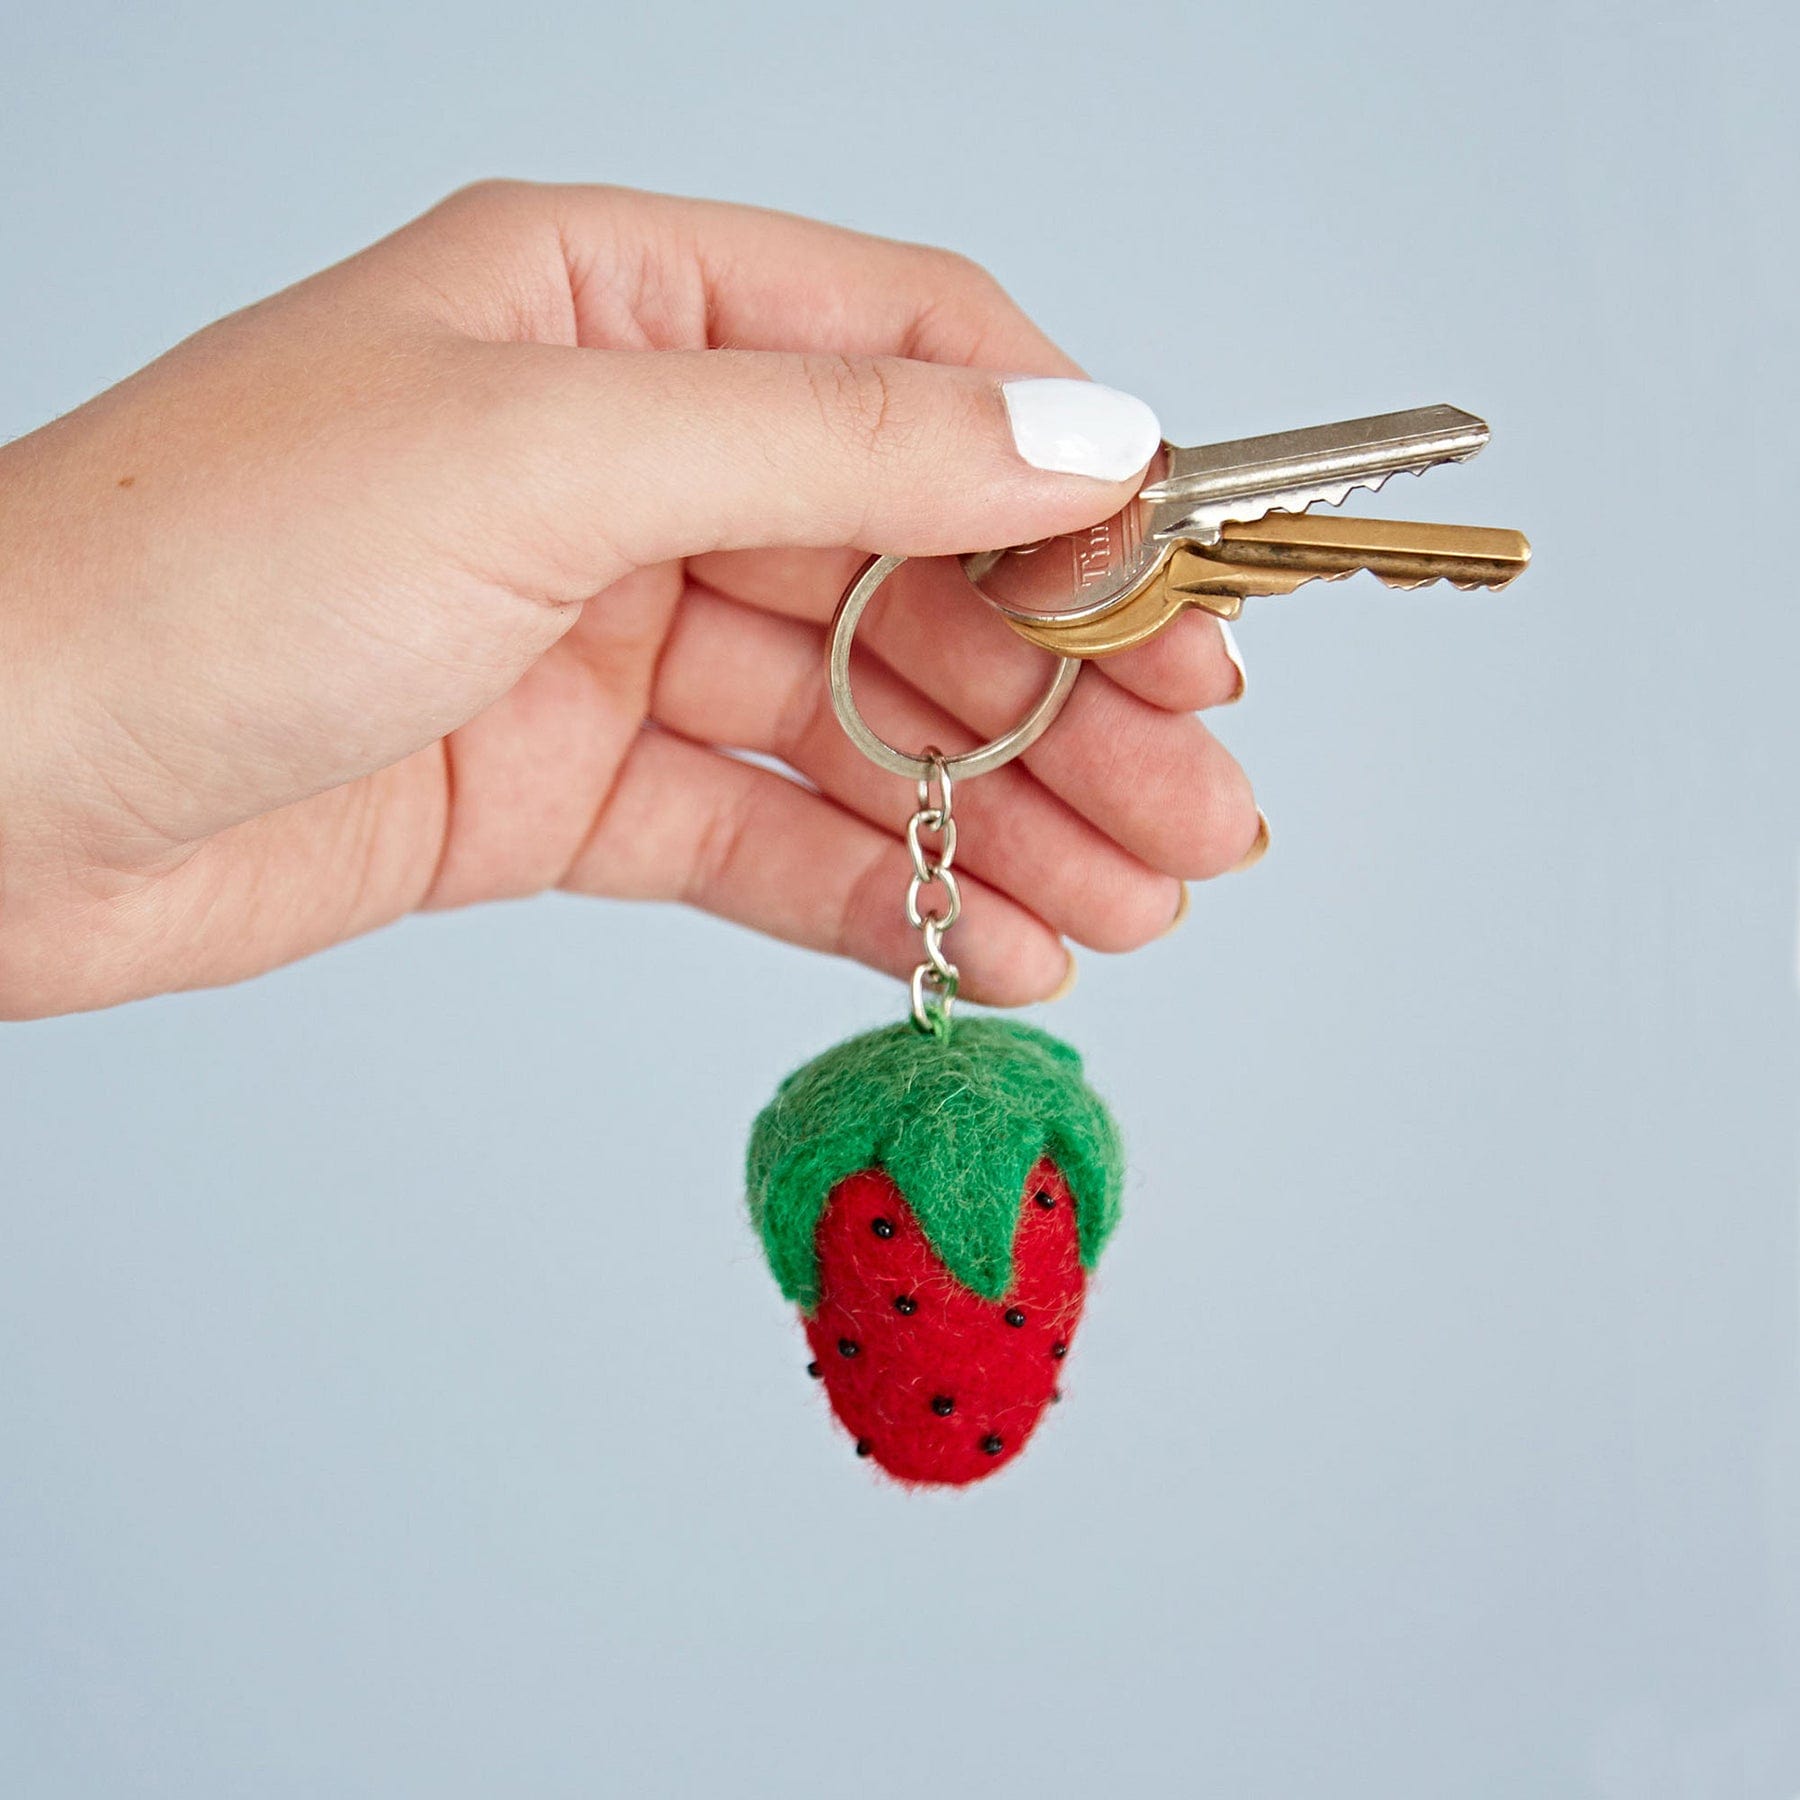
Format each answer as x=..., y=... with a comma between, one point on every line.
x=934, y=981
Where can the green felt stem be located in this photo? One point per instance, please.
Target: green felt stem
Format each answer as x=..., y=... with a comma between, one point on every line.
x=958, y=1123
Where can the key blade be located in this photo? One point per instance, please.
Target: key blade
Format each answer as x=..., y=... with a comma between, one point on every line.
x=1212, y=485
x=1400, y=553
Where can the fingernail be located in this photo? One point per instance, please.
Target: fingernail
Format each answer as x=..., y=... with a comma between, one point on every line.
x=1258, y=849
x=1067, y=982
x=1181, y=909
x=1080, y=427
x=1236, y=658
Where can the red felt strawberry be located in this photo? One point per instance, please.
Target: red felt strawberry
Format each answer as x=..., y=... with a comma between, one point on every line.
x=934, y=1206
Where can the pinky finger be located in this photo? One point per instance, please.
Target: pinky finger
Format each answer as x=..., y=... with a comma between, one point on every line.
x=687, y=823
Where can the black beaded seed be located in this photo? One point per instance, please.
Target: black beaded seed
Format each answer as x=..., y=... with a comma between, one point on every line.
x=863, y=1446
x=1059, y=1349
x=943, y=1405
x=813, y=1370
x=882, y=1228
x=1044, y=1198
x=1015, y=1316
x=1055, y=1395
x=905, y=1305
x=848, y=1346
x=993, y=1443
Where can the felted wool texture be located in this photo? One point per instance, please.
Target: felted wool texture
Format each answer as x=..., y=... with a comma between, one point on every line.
x=937, y=1384
x=958, y=1123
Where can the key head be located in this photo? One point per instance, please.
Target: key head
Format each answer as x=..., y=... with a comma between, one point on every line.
x=1081, y=573
x=1154, y=605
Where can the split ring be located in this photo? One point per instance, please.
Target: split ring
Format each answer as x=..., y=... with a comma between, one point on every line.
x=990, y=755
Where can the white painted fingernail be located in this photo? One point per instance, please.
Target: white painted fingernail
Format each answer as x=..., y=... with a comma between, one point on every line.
x=1236, y=656
x=1080, y=427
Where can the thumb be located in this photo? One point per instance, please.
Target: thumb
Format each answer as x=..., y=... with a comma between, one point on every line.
x=643, y=456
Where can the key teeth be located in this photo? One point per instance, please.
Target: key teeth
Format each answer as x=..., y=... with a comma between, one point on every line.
x=1204, y=523
x=1408, y=587
x=1336, y=496
x=1373, y=484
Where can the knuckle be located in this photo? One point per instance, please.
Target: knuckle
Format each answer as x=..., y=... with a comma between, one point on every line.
x=804, y=719
x=855, y=399
x=968, y=276
x=493, y=196
x=727, y=837
x=496, y=209
x=868, y=926
x=964, y=314
x=951, y=271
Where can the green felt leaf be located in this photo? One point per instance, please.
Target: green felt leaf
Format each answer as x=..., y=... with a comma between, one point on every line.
x=958, y=1123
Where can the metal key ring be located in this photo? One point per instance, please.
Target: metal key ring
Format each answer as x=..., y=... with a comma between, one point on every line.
x=990, y=755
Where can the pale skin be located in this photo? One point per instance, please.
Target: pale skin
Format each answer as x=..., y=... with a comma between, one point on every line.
x=453, y=573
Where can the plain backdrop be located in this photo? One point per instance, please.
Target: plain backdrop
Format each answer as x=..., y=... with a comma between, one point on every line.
x=393, y=1401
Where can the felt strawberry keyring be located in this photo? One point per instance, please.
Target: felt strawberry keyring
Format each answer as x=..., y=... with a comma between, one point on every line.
x=934, y=1203
x=934, y=1196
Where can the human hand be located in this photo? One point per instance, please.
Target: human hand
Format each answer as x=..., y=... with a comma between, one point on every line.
x=452, y=573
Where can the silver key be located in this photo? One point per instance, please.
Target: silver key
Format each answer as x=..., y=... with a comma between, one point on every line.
x=1190, y=495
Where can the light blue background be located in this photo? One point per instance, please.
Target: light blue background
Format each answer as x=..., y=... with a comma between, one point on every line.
x=392, y=1399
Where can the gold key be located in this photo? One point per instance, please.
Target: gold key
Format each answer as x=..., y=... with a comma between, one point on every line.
x=1213, y=526
x=1277, y=554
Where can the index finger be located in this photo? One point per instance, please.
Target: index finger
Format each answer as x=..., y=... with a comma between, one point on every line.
x=618, y=268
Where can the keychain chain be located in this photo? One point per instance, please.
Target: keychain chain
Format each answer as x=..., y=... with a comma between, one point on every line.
x=934, y=981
